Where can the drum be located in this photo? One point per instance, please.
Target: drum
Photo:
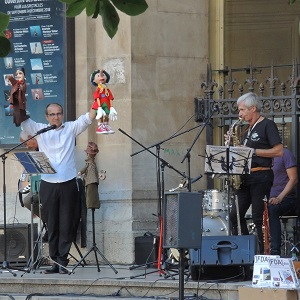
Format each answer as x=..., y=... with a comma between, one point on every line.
x=214, y=226
x=214, y=201
x=175, y=255
x=24, y=185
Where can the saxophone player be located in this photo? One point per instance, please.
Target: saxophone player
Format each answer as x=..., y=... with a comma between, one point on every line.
x=263, y=136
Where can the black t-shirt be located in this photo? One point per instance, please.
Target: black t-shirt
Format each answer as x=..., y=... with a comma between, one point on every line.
x=264, y=135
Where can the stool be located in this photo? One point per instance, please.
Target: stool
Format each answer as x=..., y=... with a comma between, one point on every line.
x=286, y=241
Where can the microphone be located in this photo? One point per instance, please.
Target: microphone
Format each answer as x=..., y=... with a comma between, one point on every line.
x=46, y=129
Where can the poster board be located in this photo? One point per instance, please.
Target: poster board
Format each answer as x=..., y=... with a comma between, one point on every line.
x=38, y=32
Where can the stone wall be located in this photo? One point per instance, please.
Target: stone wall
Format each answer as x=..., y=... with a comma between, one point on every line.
x=156, y=62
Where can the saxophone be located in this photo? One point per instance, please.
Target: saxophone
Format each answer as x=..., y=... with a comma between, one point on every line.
x=233, y=135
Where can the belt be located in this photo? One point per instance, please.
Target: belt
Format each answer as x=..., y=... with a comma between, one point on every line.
x=260, y=169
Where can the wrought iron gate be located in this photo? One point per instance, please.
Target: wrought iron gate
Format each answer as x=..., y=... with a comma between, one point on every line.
x=280, y=102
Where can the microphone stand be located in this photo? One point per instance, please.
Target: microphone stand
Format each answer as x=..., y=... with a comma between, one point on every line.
x=159, y=183
x=187, y=155
x=163, y=164
x=5, y=263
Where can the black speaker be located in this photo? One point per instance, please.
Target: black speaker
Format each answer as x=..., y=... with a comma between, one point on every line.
x=146, y=249
x=222, y=255
x=182, y=220
x=18, y=243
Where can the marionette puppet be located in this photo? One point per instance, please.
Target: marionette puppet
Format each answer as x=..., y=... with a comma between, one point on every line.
x=103, y=99
x=17, y=96
x=91, y=176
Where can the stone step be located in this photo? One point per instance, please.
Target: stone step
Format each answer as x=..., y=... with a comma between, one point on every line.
x=62, y=297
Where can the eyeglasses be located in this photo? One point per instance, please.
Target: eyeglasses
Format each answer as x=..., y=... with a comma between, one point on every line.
x=53, y=115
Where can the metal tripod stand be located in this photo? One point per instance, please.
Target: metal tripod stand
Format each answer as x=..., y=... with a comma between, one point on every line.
x=95, y=249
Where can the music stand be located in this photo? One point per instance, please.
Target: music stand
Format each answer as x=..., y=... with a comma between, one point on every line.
x=35, y=163
x=228, y=161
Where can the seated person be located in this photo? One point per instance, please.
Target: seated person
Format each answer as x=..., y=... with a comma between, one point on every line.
x=283, y=199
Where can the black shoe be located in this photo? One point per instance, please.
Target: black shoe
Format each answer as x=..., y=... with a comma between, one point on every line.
x=54, y=269
x=63, y=270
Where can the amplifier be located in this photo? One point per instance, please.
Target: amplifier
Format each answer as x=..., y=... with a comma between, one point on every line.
x=223, y=251
x=146, y=249
x=18, y=246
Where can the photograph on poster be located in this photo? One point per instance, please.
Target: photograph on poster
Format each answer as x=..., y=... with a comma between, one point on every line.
x=8, y=62
x=36, y=48
x=35, y=31
x=8, y=34
x=6, y=81
x=36, y=64
x=36, y=78
x=37, y=94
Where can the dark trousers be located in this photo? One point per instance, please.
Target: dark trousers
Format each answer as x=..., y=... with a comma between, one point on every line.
x=286, y=207
x=254, y=188
x=61, y=212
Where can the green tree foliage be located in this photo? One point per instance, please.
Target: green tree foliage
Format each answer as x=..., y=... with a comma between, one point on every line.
x=5, y=45
x=107, y=9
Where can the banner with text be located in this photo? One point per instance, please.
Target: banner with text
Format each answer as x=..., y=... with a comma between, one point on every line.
x=37, y=33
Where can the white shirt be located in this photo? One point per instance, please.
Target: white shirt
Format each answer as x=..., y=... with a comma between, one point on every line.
x=59, y=146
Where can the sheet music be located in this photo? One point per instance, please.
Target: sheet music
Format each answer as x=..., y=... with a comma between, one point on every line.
x=239, y=159
x=35, y=162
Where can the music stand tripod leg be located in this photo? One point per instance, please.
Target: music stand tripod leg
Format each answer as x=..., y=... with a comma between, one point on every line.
x=34, y=264
x=40, y=258
x=31, y=260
